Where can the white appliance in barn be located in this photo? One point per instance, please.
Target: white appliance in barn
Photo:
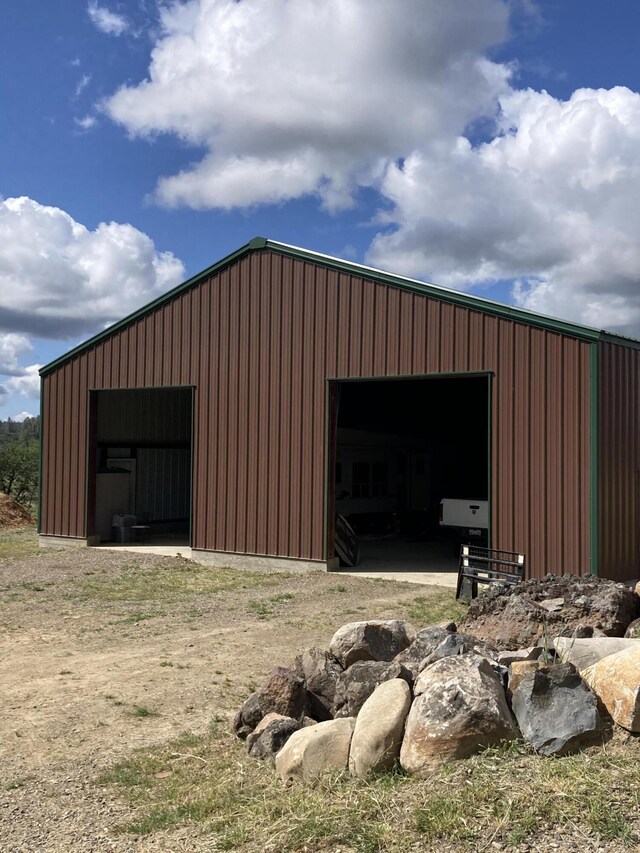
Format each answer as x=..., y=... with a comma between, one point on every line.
x=115, y=494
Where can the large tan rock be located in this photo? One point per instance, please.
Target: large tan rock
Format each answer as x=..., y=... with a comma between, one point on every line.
x=462, y=708
x=585, y=651
x=314, y=749
x=377, y=639
x=377, y=736
x=616, y=681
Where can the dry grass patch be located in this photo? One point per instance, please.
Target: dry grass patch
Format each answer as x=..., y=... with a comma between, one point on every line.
x=18, y=543
x=508, y=796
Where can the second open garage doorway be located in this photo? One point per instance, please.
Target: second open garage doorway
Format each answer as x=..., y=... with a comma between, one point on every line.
x=140, y=466
x=399, y=448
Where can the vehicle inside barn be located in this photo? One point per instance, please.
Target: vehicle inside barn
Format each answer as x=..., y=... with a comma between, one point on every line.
x=402, y=447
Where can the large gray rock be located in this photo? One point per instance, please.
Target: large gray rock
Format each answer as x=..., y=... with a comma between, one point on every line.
x=425, y=643
x=517, y=671
x=262, y=725
x=518, y=616
x=284, y=693
x=585, y=651
x=377, y=639
x=555, y=709
x=460, y=644
x=273, y=738
x=357, y=683
x=506, y=658
x=312, y=750
x=616, y=682
x=320, y=670
x=462, y=709
x=377, y=736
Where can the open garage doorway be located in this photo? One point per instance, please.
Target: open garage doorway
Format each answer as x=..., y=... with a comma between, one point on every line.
x=140, y=466
x=398, y=448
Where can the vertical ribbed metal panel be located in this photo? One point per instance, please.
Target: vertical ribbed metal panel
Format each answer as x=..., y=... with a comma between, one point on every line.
x=162, y=483
x=259, y=341
x=619, y=461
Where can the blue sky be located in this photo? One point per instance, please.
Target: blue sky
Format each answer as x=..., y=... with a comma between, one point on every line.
x=486, y=145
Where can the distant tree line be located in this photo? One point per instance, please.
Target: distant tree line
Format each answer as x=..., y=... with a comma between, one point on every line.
x=19, y=459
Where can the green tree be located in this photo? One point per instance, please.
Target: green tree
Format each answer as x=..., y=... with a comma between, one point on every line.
x=19, y=470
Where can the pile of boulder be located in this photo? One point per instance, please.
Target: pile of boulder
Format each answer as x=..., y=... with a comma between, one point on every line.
x=384, y=692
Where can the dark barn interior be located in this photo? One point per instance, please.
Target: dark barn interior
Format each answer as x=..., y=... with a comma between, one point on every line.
x=143, y=464
x=403, y=445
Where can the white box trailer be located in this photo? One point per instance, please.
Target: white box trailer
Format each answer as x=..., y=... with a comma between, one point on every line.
x=466, y=520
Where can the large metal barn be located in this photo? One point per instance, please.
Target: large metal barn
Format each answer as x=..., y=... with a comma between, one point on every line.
x=247, y=406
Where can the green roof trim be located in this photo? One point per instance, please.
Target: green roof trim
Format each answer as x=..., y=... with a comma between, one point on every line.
x=256, y=243
x=455, y=297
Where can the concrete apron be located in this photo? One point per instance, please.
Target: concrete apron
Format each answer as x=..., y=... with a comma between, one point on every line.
x=442, y=577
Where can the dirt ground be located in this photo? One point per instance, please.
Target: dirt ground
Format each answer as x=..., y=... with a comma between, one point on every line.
x=102, y=652
x=13, y=516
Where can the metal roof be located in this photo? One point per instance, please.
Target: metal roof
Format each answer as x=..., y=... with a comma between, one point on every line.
x=456, y=297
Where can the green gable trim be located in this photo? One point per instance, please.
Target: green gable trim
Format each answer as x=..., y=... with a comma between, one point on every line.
x=454, y=297
x=151, y=306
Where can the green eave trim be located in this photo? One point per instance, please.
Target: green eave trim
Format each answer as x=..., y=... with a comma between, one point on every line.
x=444, y=294
x=454, y=297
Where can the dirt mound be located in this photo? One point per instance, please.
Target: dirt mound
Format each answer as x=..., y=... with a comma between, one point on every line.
x=13, y=516
x=517, y=616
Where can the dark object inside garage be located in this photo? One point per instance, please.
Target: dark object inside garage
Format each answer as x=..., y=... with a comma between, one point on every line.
x=401, y=446
x=142, y=465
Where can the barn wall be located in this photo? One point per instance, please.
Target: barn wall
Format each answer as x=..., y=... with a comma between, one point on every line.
x=258, y=341
x=619, y=461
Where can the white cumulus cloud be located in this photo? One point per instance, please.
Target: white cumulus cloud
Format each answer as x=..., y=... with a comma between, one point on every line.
x=551, y=201
x=107, y=21
x=479, y=181
x=12, y=346
x=22, y=416
x=26, y=385
x=295, y=98
x=60, y=279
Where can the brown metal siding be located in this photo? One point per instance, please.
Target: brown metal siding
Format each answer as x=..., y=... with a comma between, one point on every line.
x=619, y=461
x=259, y=340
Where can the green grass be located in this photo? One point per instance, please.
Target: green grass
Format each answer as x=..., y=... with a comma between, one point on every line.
x=505, y=795
x=17, y=783
x=18, y=543
x=31, y=586
x=266, y=608
x=143, y=713
x=429, y=609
